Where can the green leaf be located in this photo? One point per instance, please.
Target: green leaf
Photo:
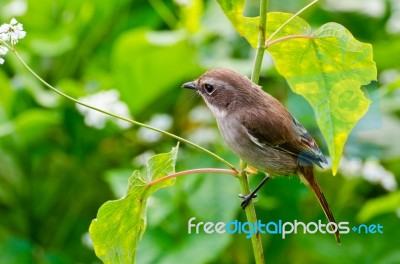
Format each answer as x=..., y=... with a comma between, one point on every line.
x=121, y=223
x=385, y=204
x=326, y=67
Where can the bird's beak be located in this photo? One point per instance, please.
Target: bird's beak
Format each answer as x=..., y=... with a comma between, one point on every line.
x=189, y=85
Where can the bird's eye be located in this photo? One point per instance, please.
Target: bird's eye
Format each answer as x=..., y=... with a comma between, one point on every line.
x=209, y=88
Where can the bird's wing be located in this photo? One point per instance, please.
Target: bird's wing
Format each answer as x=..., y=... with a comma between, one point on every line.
x=284, y=133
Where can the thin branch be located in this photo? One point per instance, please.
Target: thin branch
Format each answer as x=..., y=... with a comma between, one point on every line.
x=194, y=171
x=290, y=19
x=269, y=44
x=244, y=182
x=123, y=118
x=6, y=45
x=255, y=75
x=251, y=215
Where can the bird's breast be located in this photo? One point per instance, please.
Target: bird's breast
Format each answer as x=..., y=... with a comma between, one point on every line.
x=264, y=158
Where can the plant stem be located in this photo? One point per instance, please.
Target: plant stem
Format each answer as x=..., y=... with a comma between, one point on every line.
x=123, y=118
x=244, y=182
x=194, y=171
x=255, y=75
x=251, y=216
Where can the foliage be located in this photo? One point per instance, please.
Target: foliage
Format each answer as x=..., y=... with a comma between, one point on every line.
x=120, y=224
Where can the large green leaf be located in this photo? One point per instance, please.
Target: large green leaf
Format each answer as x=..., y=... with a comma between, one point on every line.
x=328, y=70
x=120, y=223
x=327, y=67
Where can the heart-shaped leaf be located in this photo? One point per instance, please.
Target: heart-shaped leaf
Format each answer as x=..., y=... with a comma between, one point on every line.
x=120, y=223
x=327, y=68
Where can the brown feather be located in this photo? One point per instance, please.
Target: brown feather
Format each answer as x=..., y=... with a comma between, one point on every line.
x=275, y=127
x=306, y=174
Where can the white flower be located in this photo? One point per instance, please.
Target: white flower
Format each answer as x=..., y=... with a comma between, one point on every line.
x=376, y=173
x=371, y=170
x=3, y=51
x=106, y=100
x=12, y=32
x=3, y=36
x=351, y=167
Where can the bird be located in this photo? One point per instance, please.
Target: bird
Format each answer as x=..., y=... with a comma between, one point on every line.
x=261, y=131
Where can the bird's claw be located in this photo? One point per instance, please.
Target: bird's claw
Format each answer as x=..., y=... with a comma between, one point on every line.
x=246, y=199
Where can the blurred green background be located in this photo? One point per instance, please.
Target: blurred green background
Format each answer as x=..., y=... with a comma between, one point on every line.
x=59, y=163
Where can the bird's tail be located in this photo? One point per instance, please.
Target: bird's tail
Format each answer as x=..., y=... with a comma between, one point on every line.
x=306, y=174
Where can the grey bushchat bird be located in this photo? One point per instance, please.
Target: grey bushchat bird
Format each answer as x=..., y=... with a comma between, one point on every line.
x=259, y=129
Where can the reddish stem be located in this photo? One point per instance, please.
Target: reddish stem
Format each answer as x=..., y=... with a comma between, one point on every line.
x=193, y=171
